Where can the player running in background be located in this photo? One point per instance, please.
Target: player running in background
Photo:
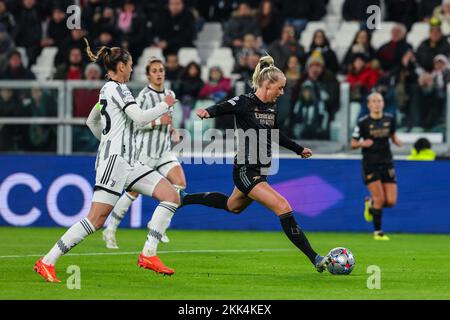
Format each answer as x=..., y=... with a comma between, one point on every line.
x=257, y=112
x=153, y=147
x=115, y=167
x=372, y=135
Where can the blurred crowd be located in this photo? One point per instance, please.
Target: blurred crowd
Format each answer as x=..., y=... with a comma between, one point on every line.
x=413, y=82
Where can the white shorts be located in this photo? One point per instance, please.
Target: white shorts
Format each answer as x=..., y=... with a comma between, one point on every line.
x=164, y=164
x=115, y=174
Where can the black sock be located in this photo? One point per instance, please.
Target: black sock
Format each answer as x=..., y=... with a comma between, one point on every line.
x=376, y=213
x=296, y=235
x=210, y=199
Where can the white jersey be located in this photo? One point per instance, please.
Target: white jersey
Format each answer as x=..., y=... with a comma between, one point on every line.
x=152, y=143
x=118, y=130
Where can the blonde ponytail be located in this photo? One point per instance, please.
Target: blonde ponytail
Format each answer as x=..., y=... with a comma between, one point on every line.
x=265, y=70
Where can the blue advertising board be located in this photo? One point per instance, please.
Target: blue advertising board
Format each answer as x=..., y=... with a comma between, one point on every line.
x=326, y=195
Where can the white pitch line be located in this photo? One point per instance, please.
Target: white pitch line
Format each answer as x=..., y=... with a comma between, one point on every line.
x=161, y=252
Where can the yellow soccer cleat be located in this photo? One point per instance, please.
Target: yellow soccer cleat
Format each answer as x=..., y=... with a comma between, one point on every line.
x=367, y=215
x=379, y=235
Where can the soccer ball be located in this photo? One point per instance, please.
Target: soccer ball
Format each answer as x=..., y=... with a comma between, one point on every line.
x=342, y=261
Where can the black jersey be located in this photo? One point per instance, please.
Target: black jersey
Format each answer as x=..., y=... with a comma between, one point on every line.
x=380, y=131
x=255, y=121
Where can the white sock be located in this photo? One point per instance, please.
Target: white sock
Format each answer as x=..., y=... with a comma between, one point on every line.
x=157, y=226
x=119, y=211
x=73, y=236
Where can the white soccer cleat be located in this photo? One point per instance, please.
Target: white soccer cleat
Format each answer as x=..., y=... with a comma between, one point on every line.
x=165, y=238
x=110, y=239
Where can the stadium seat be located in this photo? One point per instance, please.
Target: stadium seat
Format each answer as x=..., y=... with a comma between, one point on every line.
x=187, y=55
x=383, y=35
x=419, y=32
x=222, y=57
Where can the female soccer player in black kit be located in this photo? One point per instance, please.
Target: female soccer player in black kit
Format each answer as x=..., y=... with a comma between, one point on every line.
x=255, y=113
x=372, y=134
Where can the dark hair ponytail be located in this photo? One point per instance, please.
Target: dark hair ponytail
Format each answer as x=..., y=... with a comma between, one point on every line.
x=110, y=56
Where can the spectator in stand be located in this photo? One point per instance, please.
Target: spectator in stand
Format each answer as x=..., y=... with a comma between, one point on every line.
x=175, y=28
x=28, y=31
x=217, y=10
x=241, y=23
x=442, y=12
x=361, y=45
x=72, y=69
x=293, y=73
x=107, y=20
x=426, y=8
x=12, y=137
x=218, y=87
x=6, y=47
x=402, y=11
x=299, y=13
x=6, y=18
x=315, y=101
x=249, y=46
x=83, y=102
x=246, y=72
x=427, y=110
x=356, y=10
x=282, y=49
x=431, y=47
x=91, y=14
x=362, y=77
x=406, y=84
x=173, y=67
x=85, y=99
x=320, y=44
x=269, y=22
x=41, y=137
x=132, y=25
x=57, y=30
x=15, y=69
x=75, y=40
x=391, y=53
x=190, y=85
x=309, y=118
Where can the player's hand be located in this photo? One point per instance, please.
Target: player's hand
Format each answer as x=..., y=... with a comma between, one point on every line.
x=202, y=114
x=175, y=136
x=367, y=143
x=170, y=100
x=166, y=119
x=306, y=153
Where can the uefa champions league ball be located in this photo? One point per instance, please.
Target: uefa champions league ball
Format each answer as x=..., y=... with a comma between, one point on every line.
x=342, y=261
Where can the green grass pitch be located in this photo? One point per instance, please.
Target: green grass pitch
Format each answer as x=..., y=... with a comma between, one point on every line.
x=226, y=265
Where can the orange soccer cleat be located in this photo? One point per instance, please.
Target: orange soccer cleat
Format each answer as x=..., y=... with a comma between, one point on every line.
x=46, y=271
x=155, y=264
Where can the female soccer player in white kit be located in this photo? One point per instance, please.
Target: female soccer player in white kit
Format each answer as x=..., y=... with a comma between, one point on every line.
x=116, y=169
x=153, y=147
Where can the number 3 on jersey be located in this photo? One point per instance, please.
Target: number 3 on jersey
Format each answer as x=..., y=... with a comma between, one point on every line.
x=103, y=112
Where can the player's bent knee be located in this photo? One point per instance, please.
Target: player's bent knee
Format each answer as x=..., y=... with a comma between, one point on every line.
x=378, y=201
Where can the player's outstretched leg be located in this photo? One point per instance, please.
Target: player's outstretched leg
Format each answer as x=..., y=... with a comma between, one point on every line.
x=72, y=237
x=376, y=209
x=298, y=238
x=216, y=200
x=118, y=213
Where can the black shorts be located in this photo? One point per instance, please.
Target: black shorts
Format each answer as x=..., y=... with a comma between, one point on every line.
x=384, y=172
x=246, y=178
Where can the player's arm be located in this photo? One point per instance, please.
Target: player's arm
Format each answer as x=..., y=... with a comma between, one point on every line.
x=394, y=138
x=131, y=108
x=94, y=121
x=290, y=144
x=358, y=141
x=231, y=106
x=165, y=119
